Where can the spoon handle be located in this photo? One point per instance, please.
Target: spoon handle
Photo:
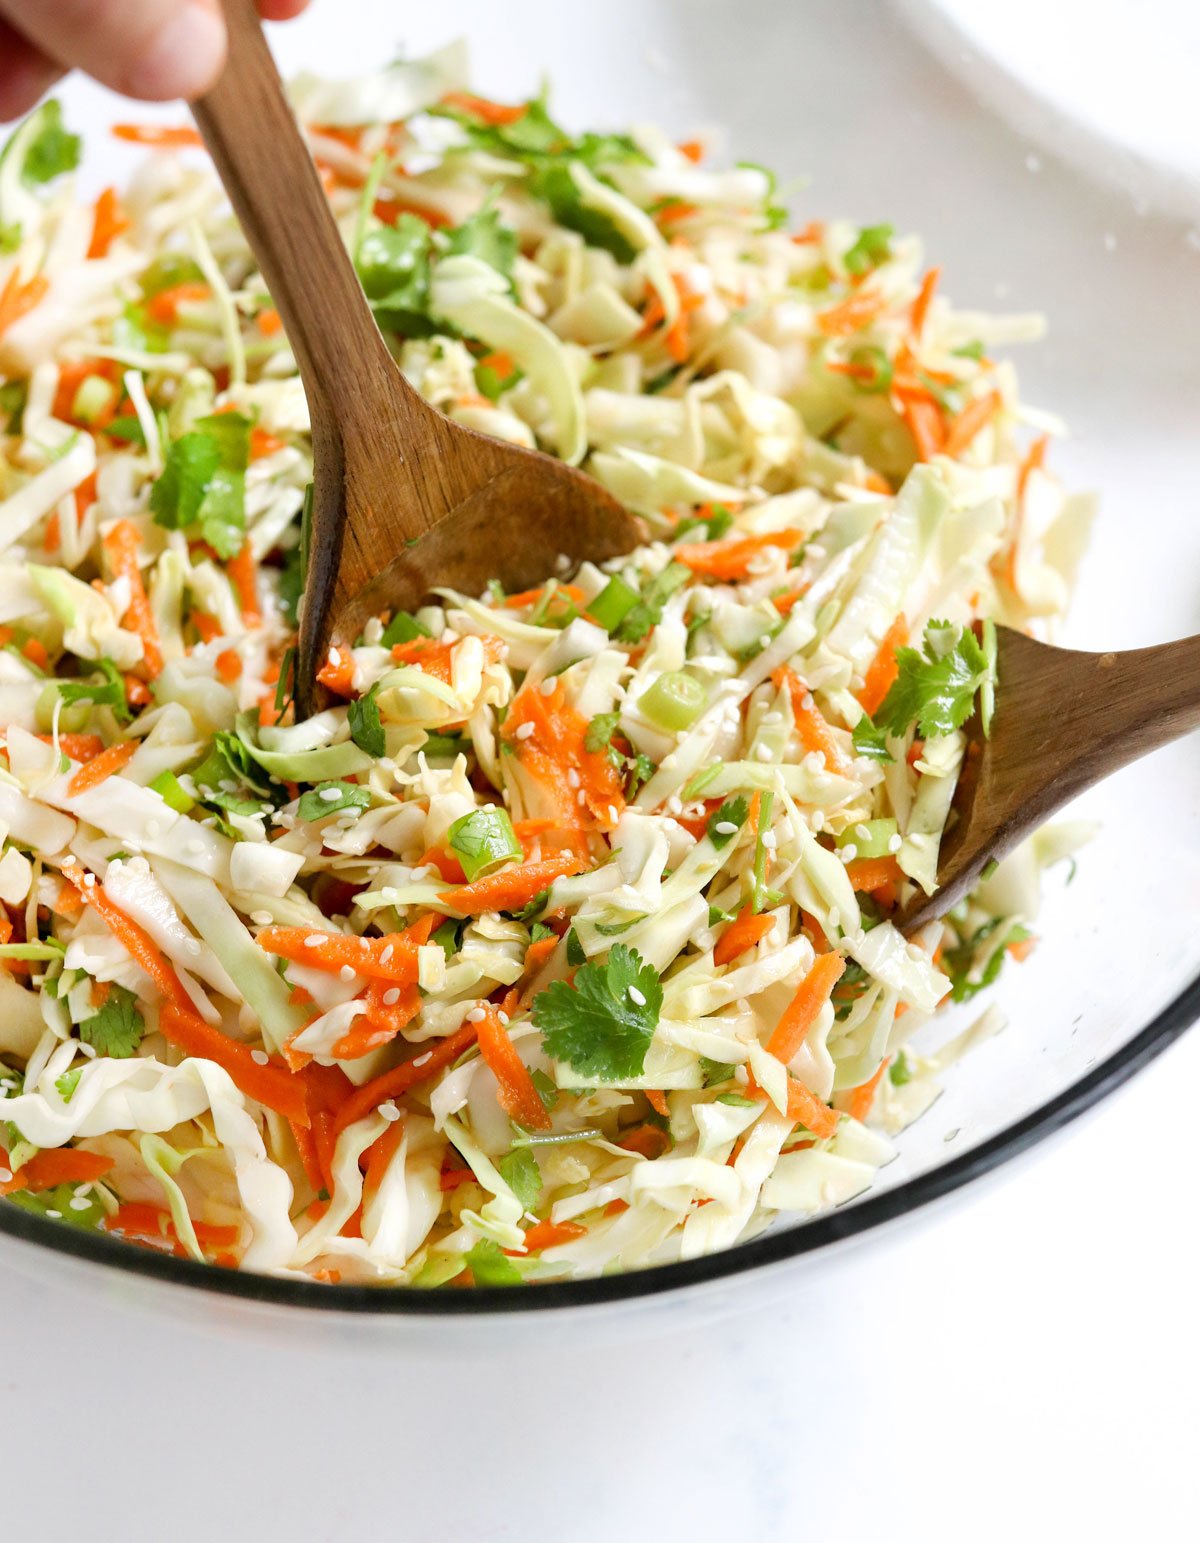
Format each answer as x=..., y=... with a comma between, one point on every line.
x=277, y=195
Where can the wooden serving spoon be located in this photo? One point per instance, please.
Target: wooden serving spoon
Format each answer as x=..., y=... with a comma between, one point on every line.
x=403, y=498
x=1063, y=721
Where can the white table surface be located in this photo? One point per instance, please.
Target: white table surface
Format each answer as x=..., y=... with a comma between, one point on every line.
x=1023, y=1365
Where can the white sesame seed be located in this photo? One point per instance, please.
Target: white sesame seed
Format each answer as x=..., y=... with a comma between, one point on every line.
x=391, y=996
x=818, y=820
x=726, y=828
x=849, y=853
x=765, y=640
x=389, y=1112
x=674, y=804
x=637, y=997
x=525, y=731
x=612, y=813
x=503, y=1017
x=315, y=939
x=573, y=777
x=260, y=1057
x=89, y=881
x=835, y=916
x=5, y=1175
x=862, y=832
x=548, y=685
x=421, y=1059
x=364, y=942
x=386, y=956
x=581, y=797
x=57, y=1215
x=346, y=972
x=79, y=1203
x=69, y=861
x=261, y=918
x=330, y=795
x=894, y=843
x=770, y=840
x=476, y=1015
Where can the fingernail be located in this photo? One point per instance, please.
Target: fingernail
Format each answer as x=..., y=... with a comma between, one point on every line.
x=185, y=57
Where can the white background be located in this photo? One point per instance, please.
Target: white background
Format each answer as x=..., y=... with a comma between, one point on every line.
x=1023, y=1363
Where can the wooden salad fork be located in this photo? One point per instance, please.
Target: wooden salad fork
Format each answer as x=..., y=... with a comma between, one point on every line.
x=1063, y=721
x=403, y=499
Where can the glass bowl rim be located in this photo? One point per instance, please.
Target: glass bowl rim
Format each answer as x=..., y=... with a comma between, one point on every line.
x=770, y=1248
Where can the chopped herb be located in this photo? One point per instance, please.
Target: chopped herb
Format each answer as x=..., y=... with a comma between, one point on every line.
x=873, y=246
x=490, y=1265
x=393, y=264
x=449, y=935
x=603, y=1024
x=735, y=1100
x=643, y=617
x=600, y=732
x=534, y=909
x=203, y=483
x=67, y=1083
x=316, y=805
x=403, y=628
x=575, y=953
x=716, y=1072
x=483, y=235
x=733, y=811
x=899, y=1072
x=520, y=1172
x=109, y=691
x=116, y=1029
x=366, y=729
x=546, y=1088
x=484, y=840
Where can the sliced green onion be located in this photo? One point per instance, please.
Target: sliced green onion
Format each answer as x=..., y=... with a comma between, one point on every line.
x=872, y=248
x=484, y=841
x=46, y=950
x=402, y=628
x=700, y=781
x=169, y=788
x=878, y=363
x=613, y=604
x=870, y=838
x=93, y=397
x=674, y=701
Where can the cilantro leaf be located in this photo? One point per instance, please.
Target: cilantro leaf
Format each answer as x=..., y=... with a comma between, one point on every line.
x=556, y=186
x=734, y=811
x=67, y=1083
x=960, y=962
x=603, y=1025
x=483, y=235
x=52, y=150
x=229, y=769
x=936, y=687
x=870, y=740
x=899, y=1072
x=117, y=1029
x=366, y=729
x=520, y=1172
x=534, y=909
x=547, y=1091
x=110, y=692
x=716, y=1072
x=393, y=266
x=600, y=732
x=402, y=628
x=316, y=804
x=204, y=482
x=874, y=246
x=490, y=1265
x=647, y=613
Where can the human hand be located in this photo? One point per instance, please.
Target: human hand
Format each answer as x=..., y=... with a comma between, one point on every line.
x=152, y=49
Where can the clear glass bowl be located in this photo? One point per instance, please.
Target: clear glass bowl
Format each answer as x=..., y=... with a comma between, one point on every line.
x=847, y=97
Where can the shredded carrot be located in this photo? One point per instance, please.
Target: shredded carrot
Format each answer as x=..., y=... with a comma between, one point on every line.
x=57, y=1165
x=306, y=1148
x=435, y=658
x=137, y=693
x=548, y=735
x=743, y=934
x=140, y=1222
x=243, y=575
x=105, y=765
x=516, y=1093
x=924, y=419
x=80, y=747
x=852, y=314
x=263, y=444
x=269, y=322
x=381, y=1022
x=731, y=559
x=35, y=651
x=164, y=307
x=657, y=1100
x=391, y=958
x=883, y=669
x=85, y=495
x=1021, y=949
x=17, y=299
x=52, y=539
x=537, y=954
x=402, y=1079
x=500, y=364
x=877, y=484
x=920, y=306
x=1034, y=460
x=862, y=1097
x=446, y=864
x=338, y=671
x=272, y=1085
x=646, y=1140
x=108, y=222
x=571, y=592
x=229, y=666
x=137, y=943
x=379, y=1157
x=975, y=416
x=692, y=150
x=511, y=888
x=70, y=377
x=814, y=732
x=785, y=604
x=550, y=1234
x=868, y=874
x=161, y=136
x=806, y=1108
x=495, y=113
x=121, y=543
x=208, y=627
x=814, y=991
x=813, y=232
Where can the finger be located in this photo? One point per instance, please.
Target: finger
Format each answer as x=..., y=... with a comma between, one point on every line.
x=281, y=10
x=24, y=75
x=153, y=49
